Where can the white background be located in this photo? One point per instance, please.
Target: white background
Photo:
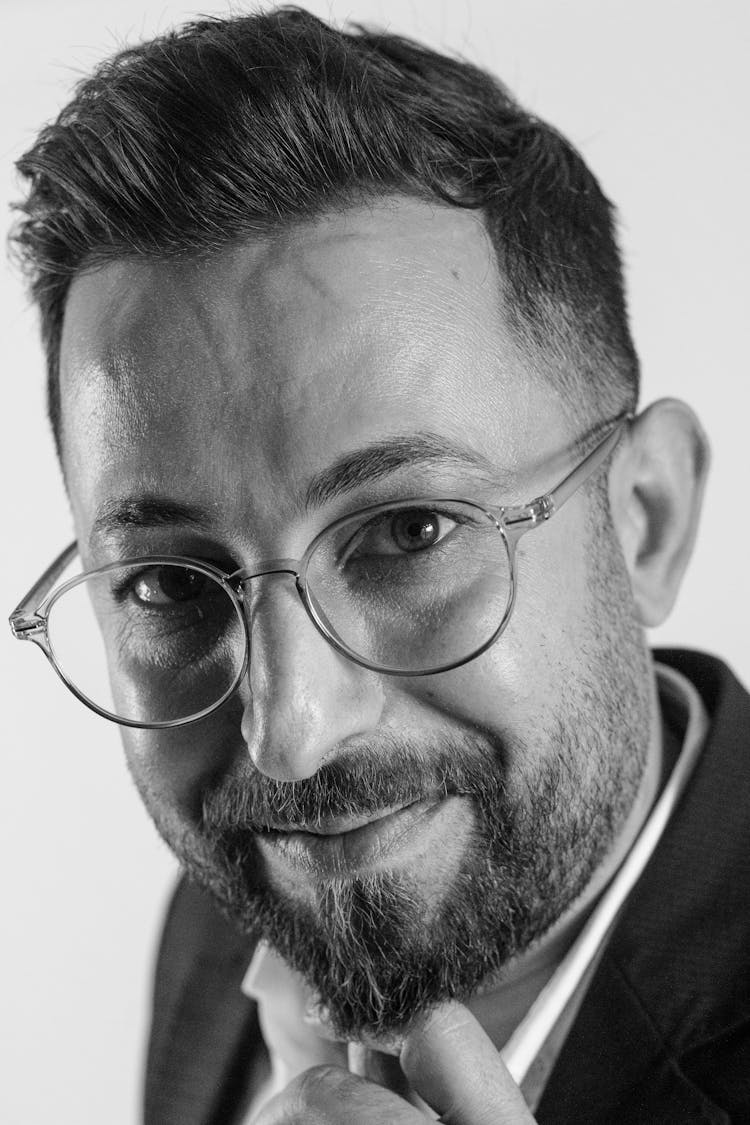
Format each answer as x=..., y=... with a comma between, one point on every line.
x=655, y=93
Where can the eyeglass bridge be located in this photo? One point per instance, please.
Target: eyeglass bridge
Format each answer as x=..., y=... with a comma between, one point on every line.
x=260, y=570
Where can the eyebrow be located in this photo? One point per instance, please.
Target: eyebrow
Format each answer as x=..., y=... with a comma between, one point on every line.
x=380, y=459
x=352, y=470
x=146, y=511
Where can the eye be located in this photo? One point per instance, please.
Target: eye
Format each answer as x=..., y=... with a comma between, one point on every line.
x=403, y=532
x=166, y=585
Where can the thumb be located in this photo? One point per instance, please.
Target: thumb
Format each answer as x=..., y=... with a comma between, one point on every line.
x=454, y=1066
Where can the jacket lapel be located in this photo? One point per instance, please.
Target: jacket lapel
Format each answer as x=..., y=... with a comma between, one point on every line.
x=615, y=1068
x=205, y=1042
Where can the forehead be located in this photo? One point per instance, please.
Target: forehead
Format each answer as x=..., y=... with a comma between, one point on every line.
x=263, y=362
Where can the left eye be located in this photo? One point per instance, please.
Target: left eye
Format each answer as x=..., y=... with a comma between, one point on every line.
x=165, y=586
x=403, y=532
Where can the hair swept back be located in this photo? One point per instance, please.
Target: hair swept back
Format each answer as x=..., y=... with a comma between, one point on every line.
x=209, y=133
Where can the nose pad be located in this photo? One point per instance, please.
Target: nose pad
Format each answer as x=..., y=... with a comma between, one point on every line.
x=306, y=700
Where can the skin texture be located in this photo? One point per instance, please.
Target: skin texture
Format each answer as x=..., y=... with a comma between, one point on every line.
x=228, y=383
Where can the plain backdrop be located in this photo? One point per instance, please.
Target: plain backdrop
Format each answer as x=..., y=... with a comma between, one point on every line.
x=655, y=93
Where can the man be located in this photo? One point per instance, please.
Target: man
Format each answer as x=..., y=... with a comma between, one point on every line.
x=370, y=529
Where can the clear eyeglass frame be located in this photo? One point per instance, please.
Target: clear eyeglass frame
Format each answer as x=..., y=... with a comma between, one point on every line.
x=29, y=620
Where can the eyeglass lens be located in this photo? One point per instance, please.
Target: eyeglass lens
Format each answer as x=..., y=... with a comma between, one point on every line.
x=412, y=588
x=150, y=644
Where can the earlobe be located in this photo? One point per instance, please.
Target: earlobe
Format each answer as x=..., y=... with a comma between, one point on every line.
x=656, y=490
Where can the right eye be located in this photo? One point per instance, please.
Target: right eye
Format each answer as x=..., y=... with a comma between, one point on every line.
x=168, y=585
x=402, y=532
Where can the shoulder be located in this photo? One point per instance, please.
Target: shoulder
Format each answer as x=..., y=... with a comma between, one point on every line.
x=663, y=1033
x=683, y=945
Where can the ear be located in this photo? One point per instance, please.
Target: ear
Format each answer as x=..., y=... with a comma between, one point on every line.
x=656, y=488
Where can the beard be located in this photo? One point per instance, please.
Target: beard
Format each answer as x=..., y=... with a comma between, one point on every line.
x=374, y=948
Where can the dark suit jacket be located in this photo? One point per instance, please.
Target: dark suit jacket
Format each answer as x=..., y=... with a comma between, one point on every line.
x=663, y=1034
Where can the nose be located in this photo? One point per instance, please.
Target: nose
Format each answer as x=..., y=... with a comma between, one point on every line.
x=306, y=700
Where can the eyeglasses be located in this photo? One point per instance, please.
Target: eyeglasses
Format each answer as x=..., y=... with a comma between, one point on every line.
x=408, y=588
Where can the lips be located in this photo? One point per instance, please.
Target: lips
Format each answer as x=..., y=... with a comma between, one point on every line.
x=336, y=825
x=343, y=845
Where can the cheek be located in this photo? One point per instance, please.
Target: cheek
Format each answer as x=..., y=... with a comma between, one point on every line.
x=174, y=769
x=521, y=686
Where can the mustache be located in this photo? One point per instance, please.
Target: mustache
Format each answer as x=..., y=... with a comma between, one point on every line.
x=361, y=782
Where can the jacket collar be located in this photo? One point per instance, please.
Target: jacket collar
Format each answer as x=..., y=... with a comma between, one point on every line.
x=668, y=981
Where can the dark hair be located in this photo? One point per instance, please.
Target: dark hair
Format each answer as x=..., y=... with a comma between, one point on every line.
x=226, y=126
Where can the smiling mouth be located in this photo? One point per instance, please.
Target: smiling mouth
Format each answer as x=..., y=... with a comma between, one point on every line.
x=337, y=825
x=343, y=845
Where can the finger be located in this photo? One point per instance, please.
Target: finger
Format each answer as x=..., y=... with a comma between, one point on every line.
x=328, y=1095
x=377, y=1067
x=455, y=1067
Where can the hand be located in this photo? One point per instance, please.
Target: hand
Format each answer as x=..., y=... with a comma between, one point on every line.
x=448, y=1060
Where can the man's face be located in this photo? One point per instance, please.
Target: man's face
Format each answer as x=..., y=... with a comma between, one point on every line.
x=448, y=820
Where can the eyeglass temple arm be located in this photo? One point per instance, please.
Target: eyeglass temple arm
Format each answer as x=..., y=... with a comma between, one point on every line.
x=23, y=619
x=545, y=506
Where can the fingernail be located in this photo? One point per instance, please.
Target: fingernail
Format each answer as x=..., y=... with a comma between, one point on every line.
x=386, y=1042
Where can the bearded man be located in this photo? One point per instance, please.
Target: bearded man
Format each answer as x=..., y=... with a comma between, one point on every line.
x=369, y=530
